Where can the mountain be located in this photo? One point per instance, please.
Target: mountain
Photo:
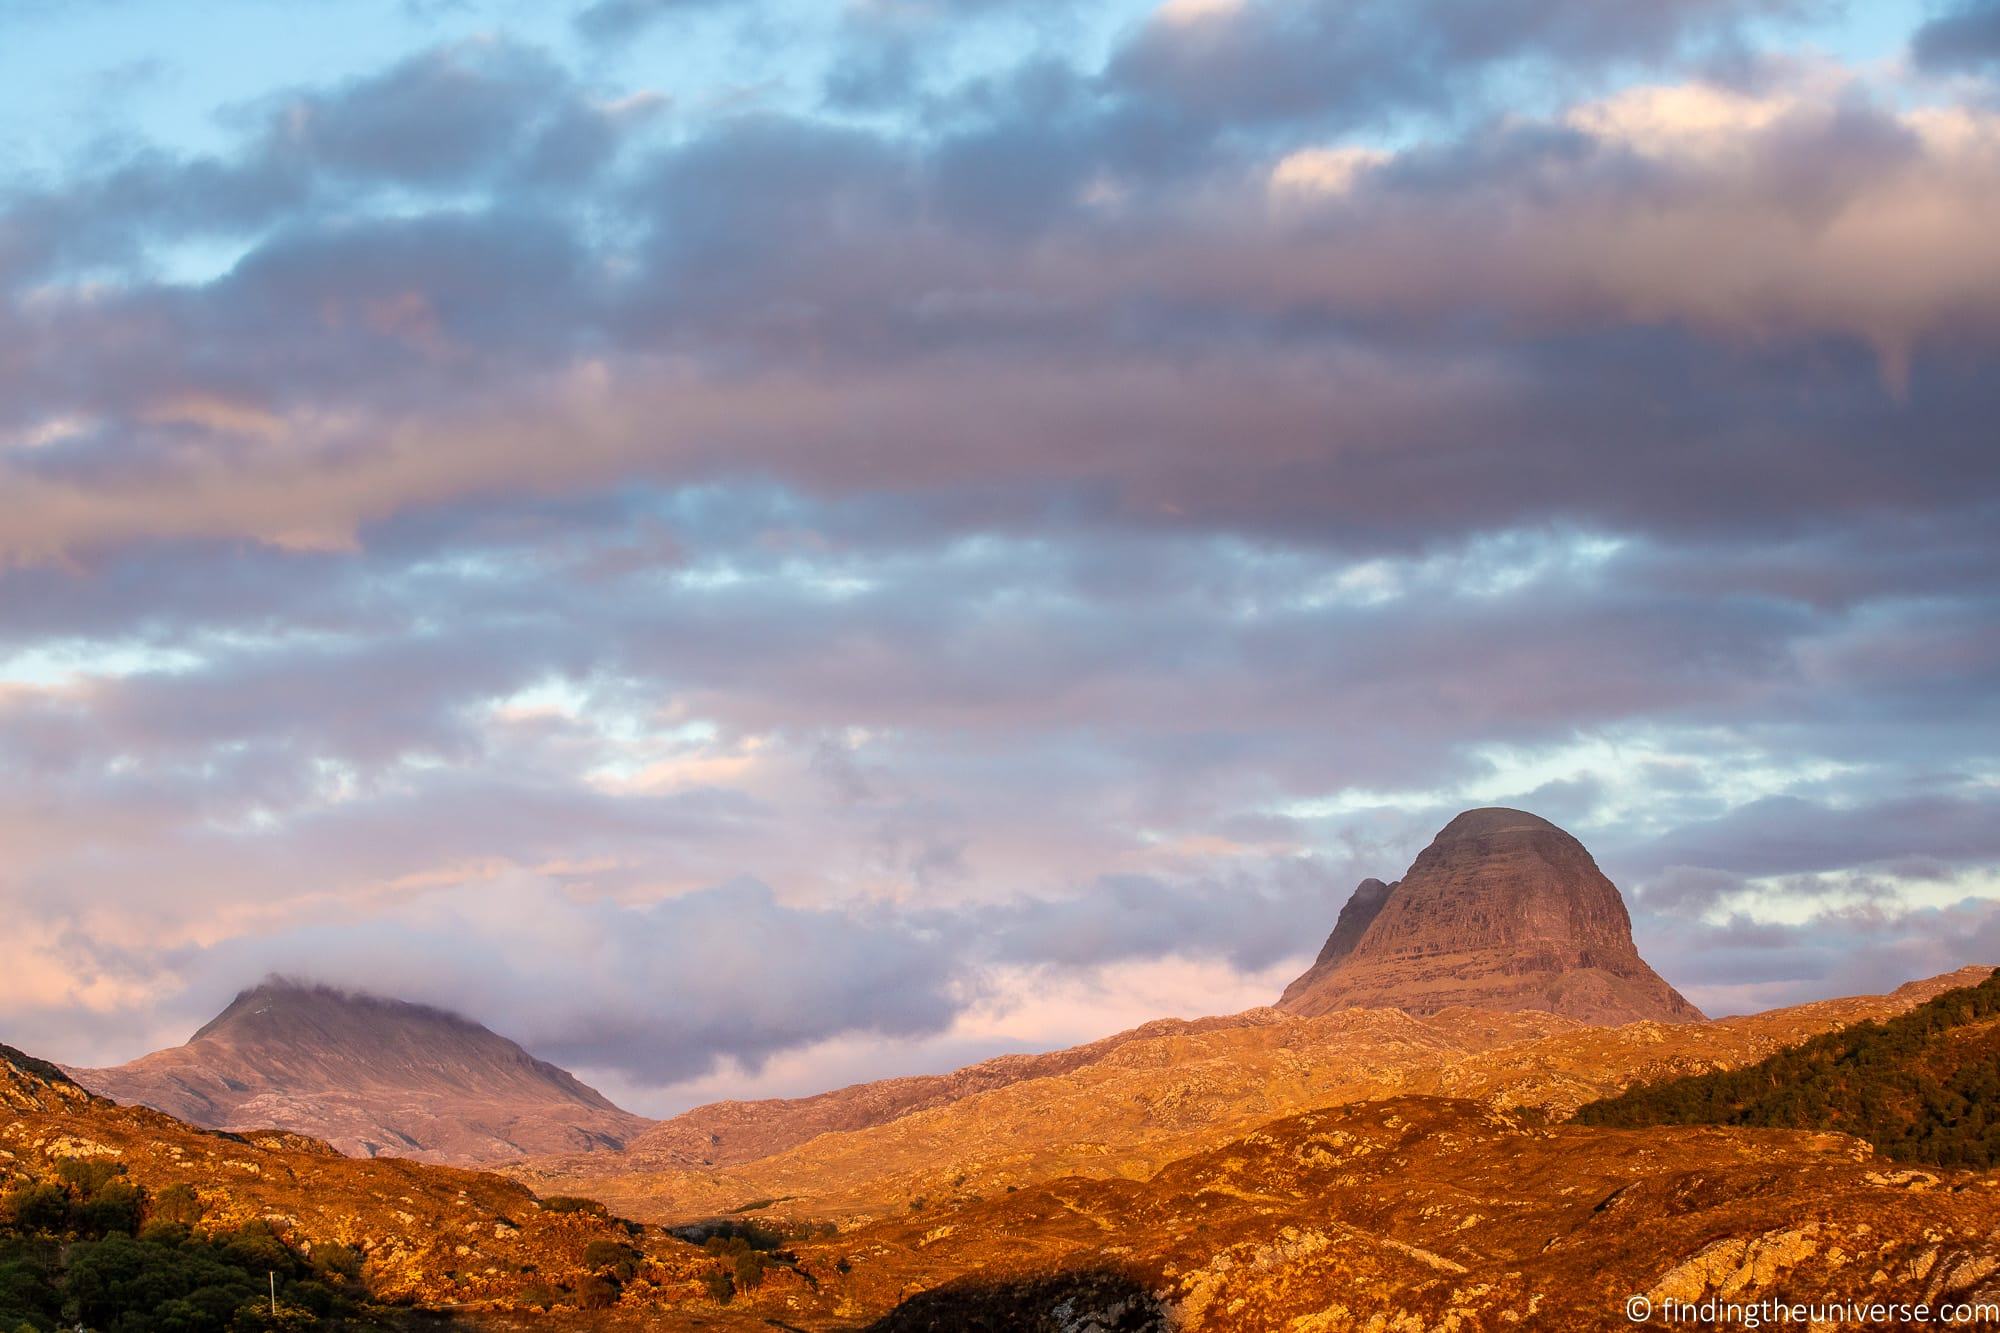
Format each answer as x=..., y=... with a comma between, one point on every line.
x=374, y=1077
x=1502, y=911
x=1922, y=1087
x=128, y=1218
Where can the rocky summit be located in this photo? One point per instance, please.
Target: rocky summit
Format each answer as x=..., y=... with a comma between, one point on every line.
x=1503, y=911
x=374, y=1077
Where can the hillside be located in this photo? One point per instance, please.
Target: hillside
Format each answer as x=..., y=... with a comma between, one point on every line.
x=374, y=1077
x=1417, y=1213
x=721, y=1134
x=117, y=1205
x=1134, y=1104
x=1922, y=1087
x=1163, y=1091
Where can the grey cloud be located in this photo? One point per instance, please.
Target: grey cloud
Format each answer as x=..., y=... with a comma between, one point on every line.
x=615, y=20
x=1045, y=519
x=1743, y=965
x=482, y=113
x=1963, y=37
x=1252, y=920
x=1268, y=59
x=444, y=118
x=661, y=992
x=1788, y=835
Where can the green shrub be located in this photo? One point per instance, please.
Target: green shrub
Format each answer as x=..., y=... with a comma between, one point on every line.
x=755, y=1235
x=86, y=1176
x=29, y=1296
x=343, y=1263
x=609, y=1256
x=177, y=1203
x=117, y=1283
x=569, y=1203
x=721, y=1287
x=36, y=1208
x=259, y=1317
x=165, y=1233
x=115, y=1205
x=257, y=1248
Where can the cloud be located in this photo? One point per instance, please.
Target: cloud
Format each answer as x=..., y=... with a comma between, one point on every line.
x=1965, y=37
x=616, y=20
x=1264, y=60
x=1793, y=835
x=997, y=510
x=1744, y=966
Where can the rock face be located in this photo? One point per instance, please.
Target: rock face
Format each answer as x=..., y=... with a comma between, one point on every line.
x=1502, y=911
x=374, y=1077
x=1356, y=916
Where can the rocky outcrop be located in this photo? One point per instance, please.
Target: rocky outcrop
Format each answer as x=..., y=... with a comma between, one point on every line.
x=1356, y=916
x=28, y=1084
x=374, y=1077
x=1502, y=911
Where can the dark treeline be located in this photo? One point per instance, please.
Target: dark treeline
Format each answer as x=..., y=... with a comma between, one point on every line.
x=1921, y=1087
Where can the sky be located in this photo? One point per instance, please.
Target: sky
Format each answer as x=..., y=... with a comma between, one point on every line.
x=751, y=545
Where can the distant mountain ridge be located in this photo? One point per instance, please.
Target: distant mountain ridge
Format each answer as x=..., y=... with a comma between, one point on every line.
x=1503, y=911
x=372, y=1076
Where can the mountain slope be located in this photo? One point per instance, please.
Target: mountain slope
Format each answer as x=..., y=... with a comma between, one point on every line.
x=1502, y=911
x=414, y=1233
x=374, y=1077
x=1922, y=1087
x=722, y=1134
